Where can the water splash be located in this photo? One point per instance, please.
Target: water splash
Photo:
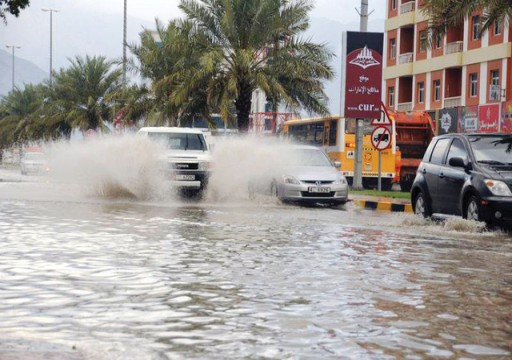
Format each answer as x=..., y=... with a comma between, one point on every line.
x=112, y=167
x=239, y=161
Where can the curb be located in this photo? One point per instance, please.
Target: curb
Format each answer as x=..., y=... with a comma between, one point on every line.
x=383, y=206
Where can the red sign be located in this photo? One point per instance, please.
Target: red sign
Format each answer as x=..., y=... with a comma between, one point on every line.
x=488, y=118
x=363, y=74
x=506, y=118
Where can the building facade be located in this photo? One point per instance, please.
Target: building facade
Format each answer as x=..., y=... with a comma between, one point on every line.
x=462, y=79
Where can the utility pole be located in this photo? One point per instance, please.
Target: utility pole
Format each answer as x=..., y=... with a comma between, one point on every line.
x=13, y=47
x=357, y=183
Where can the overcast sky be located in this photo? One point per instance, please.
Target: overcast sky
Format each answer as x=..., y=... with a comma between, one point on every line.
x=95, y=27
x=339, y=10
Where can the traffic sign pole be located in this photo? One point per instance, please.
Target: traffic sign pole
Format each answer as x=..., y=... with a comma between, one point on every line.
x=381, y=139
x=380, y=171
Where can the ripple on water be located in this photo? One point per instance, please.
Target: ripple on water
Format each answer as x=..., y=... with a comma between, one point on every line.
x=150, y=282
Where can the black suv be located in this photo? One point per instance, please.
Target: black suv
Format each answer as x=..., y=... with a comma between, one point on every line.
x=468, y=175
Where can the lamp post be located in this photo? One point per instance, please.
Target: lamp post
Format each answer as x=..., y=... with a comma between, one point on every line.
x=51, y=11
x=13, y=47
x=124, y=44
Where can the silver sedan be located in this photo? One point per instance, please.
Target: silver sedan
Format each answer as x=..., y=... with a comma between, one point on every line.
x=303, y=174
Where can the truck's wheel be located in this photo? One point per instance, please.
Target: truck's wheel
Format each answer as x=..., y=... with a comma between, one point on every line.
x=386, y=184
x=405, y=185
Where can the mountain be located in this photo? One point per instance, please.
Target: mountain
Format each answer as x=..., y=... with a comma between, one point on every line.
x=25, y=72
x=88, y=32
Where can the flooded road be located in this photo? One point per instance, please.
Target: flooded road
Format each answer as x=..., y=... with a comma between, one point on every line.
x=86, y=277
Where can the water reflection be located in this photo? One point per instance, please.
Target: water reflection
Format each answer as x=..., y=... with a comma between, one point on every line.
x=117, y=280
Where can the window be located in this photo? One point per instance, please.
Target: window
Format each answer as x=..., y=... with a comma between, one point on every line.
x=439, y=41
x=392, y=48
x=495, y=77
x=421, y=92
x=423, y=41
x=439, y=150
x=494, y=88
x=457, y=150
x=308, y=133
x=473, y=81
x=393, y=4
x=332, y=133
x=391, y=96
x=437, y=90
x=497, y=28
x=476, y=27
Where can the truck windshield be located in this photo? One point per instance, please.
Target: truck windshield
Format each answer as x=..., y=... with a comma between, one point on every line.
x=180, y=141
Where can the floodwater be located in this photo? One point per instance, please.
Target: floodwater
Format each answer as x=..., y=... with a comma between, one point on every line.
x=89, y=276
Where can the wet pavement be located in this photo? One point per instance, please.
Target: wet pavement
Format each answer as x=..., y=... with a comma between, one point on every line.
x=96, y=277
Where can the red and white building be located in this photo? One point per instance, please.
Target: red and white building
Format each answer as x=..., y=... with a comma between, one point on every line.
x=462, y=79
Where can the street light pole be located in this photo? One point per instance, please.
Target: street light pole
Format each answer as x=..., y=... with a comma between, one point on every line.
x=357, y=182
x=13, y=47
x=124, y=44
x=51, y=11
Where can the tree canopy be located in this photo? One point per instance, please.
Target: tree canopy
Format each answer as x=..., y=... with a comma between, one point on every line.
x=445, y=13
x=12, y=7
x=224, y=50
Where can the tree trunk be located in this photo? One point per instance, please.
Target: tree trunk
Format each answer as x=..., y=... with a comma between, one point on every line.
x=243, y=106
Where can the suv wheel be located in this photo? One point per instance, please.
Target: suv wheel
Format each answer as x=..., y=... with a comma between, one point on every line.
x=421, y=206
x=473, y=209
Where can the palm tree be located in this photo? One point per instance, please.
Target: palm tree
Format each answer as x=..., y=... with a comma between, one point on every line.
x=19, y=110
x=443, y=13
x=77, y=97
x=254, y=44
x=167, y=62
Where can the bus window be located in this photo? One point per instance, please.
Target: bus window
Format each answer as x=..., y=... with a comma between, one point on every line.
x=333, y=129
x=315, y=134
x=350, y=126
x=297, y=132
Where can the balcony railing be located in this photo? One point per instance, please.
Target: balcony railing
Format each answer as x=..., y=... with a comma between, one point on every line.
x=405, y=58
x=454, y=47
x=407, y=7
x=404, y=107
x=452, y=102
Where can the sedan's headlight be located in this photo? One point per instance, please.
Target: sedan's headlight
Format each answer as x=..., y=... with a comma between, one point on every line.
x=340, y=180
x=498, y=188
x=287, y=179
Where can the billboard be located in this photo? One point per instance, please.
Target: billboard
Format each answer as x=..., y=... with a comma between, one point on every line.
x=488, y=118
x=361, y=83
x=468, y=121
x=448, y=119
x=506, y=118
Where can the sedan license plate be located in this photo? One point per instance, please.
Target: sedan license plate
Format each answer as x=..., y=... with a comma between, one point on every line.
x=185, y=177
x=319, y=189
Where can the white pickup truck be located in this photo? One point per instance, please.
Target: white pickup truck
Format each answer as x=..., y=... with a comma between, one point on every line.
x=187, y=157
